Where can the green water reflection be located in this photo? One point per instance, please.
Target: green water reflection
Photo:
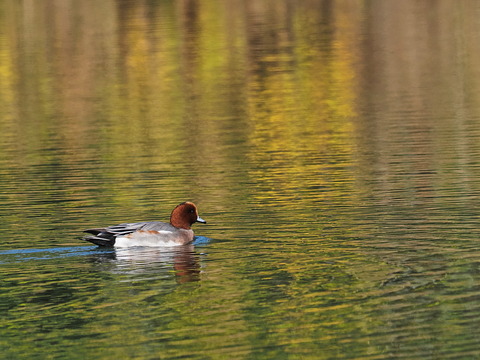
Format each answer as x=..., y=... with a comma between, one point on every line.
x=332, y=146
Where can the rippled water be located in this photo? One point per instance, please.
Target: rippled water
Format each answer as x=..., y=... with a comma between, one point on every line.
x=332, y=146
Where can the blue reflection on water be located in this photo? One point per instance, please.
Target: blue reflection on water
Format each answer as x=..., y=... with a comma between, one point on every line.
x=201, y=241
x=18, y=255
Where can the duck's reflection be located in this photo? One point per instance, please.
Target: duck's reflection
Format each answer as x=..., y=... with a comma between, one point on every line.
x=141, y=263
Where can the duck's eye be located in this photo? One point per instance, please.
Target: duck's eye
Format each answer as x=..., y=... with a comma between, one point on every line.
x=191, y=211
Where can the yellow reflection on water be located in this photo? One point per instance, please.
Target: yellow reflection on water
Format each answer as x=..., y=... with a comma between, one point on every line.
x=301, y=101
x=284, y=97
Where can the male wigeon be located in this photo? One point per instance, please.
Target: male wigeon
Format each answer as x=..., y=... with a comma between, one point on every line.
x=152, y=233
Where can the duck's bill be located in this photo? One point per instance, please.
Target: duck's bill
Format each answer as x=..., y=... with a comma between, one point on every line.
x=200, y=220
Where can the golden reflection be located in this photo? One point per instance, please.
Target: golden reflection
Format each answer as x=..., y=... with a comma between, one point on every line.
x=137, y=85
x=301, y=101
x=248, y=101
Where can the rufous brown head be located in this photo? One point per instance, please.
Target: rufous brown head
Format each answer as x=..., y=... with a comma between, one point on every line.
x=184, y=215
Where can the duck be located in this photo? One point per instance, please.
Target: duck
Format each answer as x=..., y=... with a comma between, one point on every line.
x=151, y=233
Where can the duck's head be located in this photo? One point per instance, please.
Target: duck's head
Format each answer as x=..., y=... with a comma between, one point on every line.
x=184, y=215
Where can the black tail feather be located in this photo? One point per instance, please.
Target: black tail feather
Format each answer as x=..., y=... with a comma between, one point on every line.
x=94, y=231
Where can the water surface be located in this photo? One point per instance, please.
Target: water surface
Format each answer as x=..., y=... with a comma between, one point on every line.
x=332, y=146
